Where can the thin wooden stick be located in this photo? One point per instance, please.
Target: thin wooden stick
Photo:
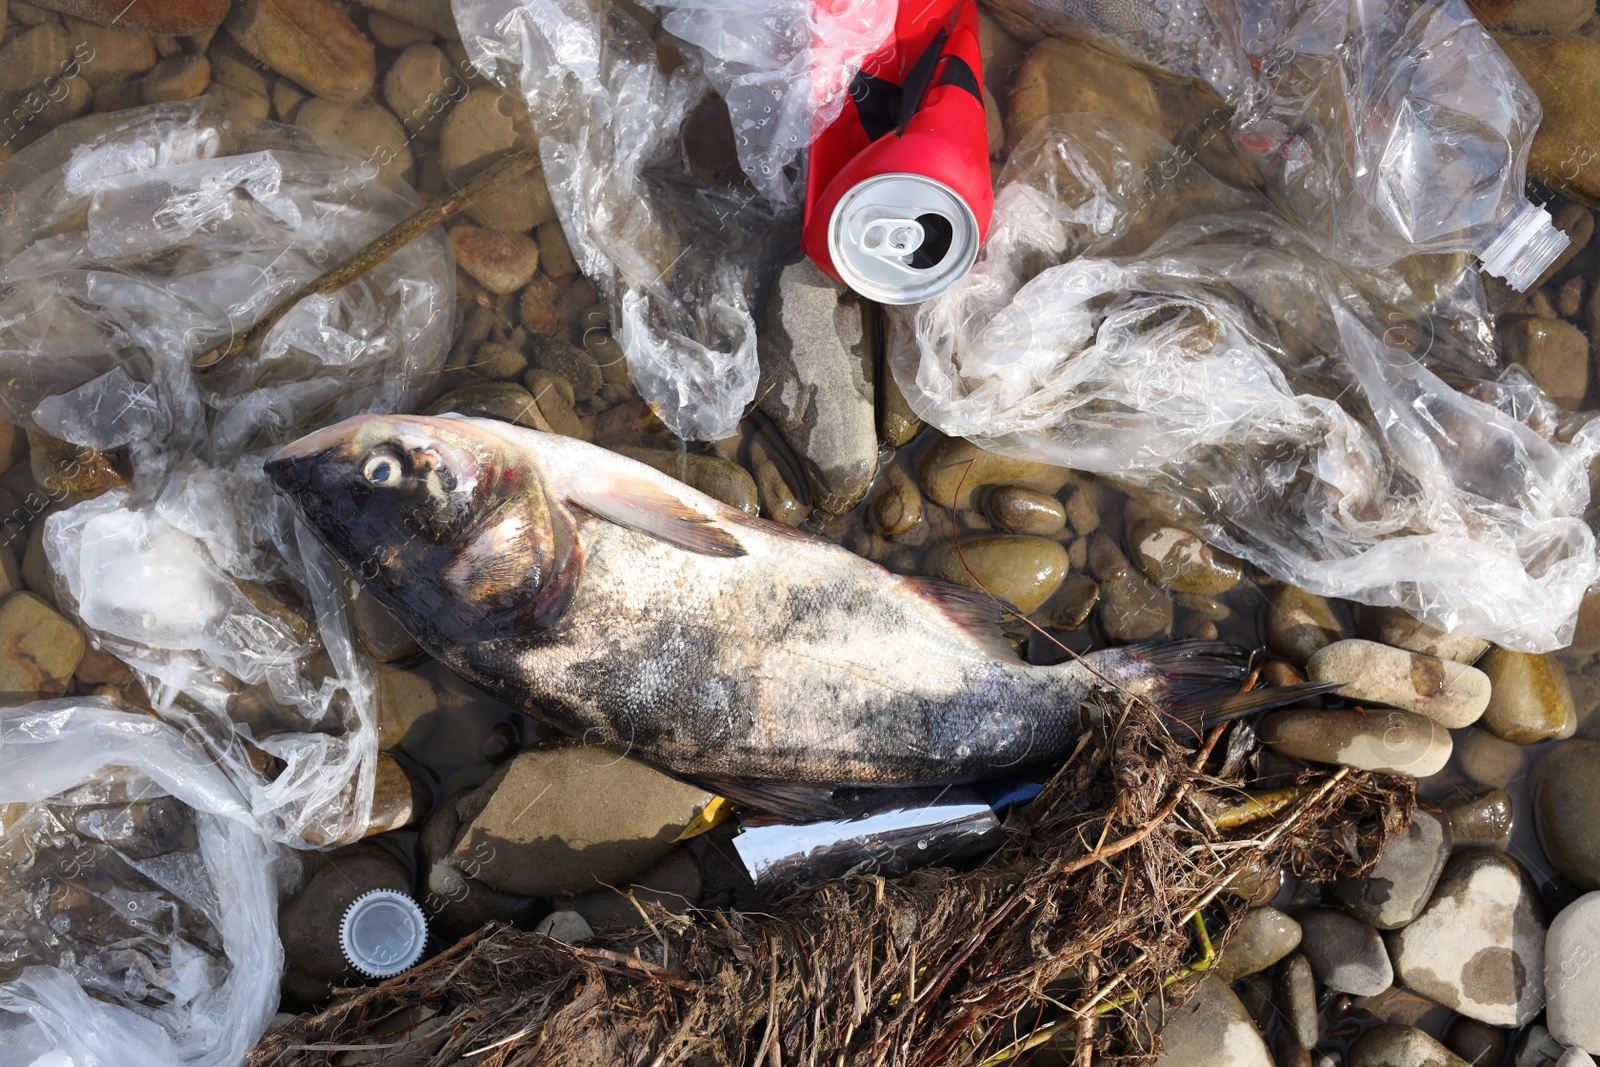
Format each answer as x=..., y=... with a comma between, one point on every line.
x=375, y=252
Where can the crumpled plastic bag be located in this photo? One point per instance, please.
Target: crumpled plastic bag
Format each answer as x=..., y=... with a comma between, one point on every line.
x=131, y=243
x=138, y=896
x=678, y=256
x=1229, y=373
x=1383, y=130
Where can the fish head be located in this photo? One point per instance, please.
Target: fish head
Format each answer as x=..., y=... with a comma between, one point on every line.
x=440, y=518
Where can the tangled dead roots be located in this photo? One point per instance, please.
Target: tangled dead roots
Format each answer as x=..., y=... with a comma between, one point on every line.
x=1077, y=930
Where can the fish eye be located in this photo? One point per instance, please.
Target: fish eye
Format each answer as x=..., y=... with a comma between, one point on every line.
x=382, y=469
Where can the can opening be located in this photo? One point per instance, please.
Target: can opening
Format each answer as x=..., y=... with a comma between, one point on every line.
x=937, y=234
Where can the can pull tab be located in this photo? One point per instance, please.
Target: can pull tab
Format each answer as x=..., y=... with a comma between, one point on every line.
x=892, y=239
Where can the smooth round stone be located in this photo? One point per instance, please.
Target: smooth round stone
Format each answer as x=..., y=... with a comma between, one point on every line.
x=1399, y=884
x=956, y=464
x=1536, y=1048
x=492, y=400
x=1572, y=974
x=1450, y=693
x=1297, y=998
x=1566, y=810
x=1386, y=741
x=1393, y=626
x=1401, y=1046
x=1346, y=955
x=1179, y=560
x=1212, y=1028
x=1300, y=623
x=1530, y=700
x=898, y=505
x=1023, y=570
x=1264, y=936
x=1478, y=947
x=1484, y=818
x=1480, y=1044
x=1489, y=760
x=1575, y=1057
x=1025, y=511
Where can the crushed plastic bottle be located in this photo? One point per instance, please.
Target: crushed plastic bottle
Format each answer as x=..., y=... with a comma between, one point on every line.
x=1193, y=347
x=131, y=243
x=1383, y=130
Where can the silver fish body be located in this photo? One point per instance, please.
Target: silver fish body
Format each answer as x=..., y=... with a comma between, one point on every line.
x=638, y=614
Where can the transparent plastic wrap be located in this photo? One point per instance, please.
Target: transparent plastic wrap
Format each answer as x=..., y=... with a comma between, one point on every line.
x=1229, y=373
x=132, y=243
x=1383, y=130
x=138, y=893
x=677, y=254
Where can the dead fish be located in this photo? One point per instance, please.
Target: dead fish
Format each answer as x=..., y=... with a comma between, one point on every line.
x=641, y=615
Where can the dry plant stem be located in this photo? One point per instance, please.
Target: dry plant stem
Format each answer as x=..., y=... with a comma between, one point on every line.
x=375, y=252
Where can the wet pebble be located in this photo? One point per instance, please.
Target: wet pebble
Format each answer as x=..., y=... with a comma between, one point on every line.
x=1264, y=936
x=422, y=13
x=1562, y=154
x=1478, y=946
x=1300, y=623
x=1479, y=1044
x=308, y=922
x=818, y=347
x=712, y=475
x=492, y=400
x=1487, y=759
x=1556, y=353
x=1256, y=884
x=418, y=88
x=1530, y=699
x=399, y=799
x=1213, y=1028
x=897, y=423
x=565, y=925
x=1020, y=569
x=1390, y=742
x=1533, y=16
x=956, y=462
x=1345, y=954
x=457, y=903
x=1394, y=626
x=1132, y=607
x=1480, y=818
x=39, y=650
x=404, y=698
x=1060, y=75
x=1450, y=693
x=119, y=53
x=774, y=494
x=342, y=66
x=69, y=471
x=181, y=77
x=500, y=262
x=1297, y=999
x=1179, y=560
x=1572, y=974
x=366, y=124
x=1025, y=511
x=673, y=884
x=898, y=506
x=574, y=364
x=1401, y=1046
x=487, y=125
x=1566, y=809
x=561, y=821
x=384, y=639
x=1399, y=884
x=553, y=395
x=182, y=17
x=33, y=55
x=1072, y=603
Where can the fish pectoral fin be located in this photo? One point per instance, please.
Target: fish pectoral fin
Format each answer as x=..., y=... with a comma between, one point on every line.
x=797, y=801
x=643, y=507
x=977, y=613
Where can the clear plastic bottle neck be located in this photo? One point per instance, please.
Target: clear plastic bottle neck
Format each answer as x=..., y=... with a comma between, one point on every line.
x=1527, y=244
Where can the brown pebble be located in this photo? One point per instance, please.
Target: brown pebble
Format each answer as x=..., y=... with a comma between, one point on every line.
x=501, y=744
x=1277, y=672
x=500, y=262
x=185, y=17
x=98, y=667
x=553, y=394
x=897, y=507
x=536, y=305
x=1070, y=607
x=1014, y=567
x=1480, y=1044
x=1028, y=511
x=1198, y=626
x=341, y=66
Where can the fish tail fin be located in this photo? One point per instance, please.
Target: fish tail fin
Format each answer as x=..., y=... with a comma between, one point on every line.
x=1196, y=684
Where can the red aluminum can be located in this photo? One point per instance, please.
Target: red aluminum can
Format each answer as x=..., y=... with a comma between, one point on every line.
x=898, y=193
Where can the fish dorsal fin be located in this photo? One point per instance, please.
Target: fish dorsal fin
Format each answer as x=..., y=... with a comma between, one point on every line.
x=977, y=613
x=644, y=507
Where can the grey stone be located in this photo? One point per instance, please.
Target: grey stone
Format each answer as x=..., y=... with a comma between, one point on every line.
x=1265, y=936
x=1390, y=742
x=1575, y=1057
x=818, y=349
x=1399, y=884
x=1345, y=955
x=1536, y=1048
x=308, y=922
x=458, y=904
x=1393, y=626
x=1401, y=1046
x=1300, y=623
x=673, y=884
x=1478, y=947
x=1297, y=998
x=1572, y=974
x=1566, y=810
x=1212, y=1028
x=564, y=925
x=560, y=821
x=1450, y=693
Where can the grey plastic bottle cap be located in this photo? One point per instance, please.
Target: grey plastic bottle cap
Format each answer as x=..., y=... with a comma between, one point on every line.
x=383, y=933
